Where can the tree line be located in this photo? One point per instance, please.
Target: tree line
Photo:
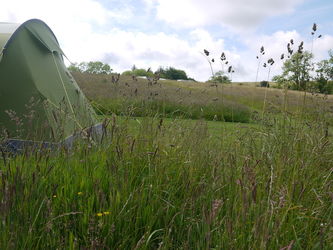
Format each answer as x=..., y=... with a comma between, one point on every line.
x=97, y=67
x=299, y=72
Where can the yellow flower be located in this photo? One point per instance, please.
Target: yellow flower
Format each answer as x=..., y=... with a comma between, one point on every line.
x=99, y=214
x=54, y=196
x=79, y=193
x=106, y=213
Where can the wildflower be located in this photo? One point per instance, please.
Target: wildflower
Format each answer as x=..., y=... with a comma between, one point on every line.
x=106, y=213
x=99, y=214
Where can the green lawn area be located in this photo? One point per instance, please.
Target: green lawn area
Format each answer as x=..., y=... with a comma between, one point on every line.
x=216, y=129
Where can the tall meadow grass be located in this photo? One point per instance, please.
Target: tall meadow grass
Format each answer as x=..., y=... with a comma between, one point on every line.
x=166, y=185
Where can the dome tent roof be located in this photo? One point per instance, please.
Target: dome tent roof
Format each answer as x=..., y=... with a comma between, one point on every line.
x=35, y=81
x=9, y=30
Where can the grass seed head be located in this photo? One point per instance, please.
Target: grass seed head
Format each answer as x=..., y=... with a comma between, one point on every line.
x=223, y=57
x=206, y=52
x=262, y=50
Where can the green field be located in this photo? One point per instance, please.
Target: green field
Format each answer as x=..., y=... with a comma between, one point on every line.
x=183, y=165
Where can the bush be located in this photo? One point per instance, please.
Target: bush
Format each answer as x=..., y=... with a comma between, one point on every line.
x=127, y=73
x=219, y=77
x=172, y=73
x=92, y=67
x=321, y=85
x=264, y=84
x=138, y=72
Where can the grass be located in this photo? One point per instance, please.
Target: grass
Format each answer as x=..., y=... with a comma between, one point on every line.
x=172, y=186
x=236, y=96
x=167, y=109
x=161, y=182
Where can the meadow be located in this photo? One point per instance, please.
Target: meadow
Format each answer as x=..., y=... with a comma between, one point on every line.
x=182, y=165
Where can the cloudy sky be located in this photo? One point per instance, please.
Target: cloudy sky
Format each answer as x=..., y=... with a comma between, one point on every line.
x=153, y=33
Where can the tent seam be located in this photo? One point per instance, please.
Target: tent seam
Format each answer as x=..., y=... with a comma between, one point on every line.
x=63, y=85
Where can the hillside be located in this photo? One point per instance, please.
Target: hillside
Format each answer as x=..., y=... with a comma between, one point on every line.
x=238, y=95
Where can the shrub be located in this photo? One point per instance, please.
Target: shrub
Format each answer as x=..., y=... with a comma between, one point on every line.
x=321, y=85
x=264, y=84
x=138, y=72
x=219, y=77
x=172, y=73
x=92, y=67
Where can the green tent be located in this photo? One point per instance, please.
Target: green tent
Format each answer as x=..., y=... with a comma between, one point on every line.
x=39, y=99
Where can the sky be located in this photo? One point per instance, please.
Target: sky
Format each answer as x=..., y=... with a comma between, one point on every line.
x=174, y=33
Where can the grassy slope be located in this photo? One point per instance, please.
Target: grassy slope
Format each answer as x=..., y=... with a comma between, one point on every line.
x=178, y=184
x=101, y=87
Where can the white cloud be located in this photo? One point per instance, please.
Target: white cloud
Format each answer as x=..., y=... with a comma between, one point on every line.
x=321, y=47
x=59, y=12
x=121, y=49
x=66, y=18
x=240, y=14
x=83, y=37
x=276, y=44
x=89, y=33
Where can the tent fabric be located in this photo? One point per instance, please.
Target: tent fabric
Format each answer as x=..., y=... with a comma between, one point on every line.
x=39, y=98
x=17, y=146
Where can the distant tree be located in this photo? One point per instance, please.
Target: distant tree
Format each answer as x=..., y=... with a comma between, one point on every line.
x=220, y=77
x=297, y=71
x=127, y=73
x=324, y=75
x=161, y=72
x=325, y=68
x=280, y=81
x=74, y=67
x=138, y=72
x=92, y=67
x=175, y=74
x=264, y=84
x=98, y=68
x=142, y=72
x=172, y=73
